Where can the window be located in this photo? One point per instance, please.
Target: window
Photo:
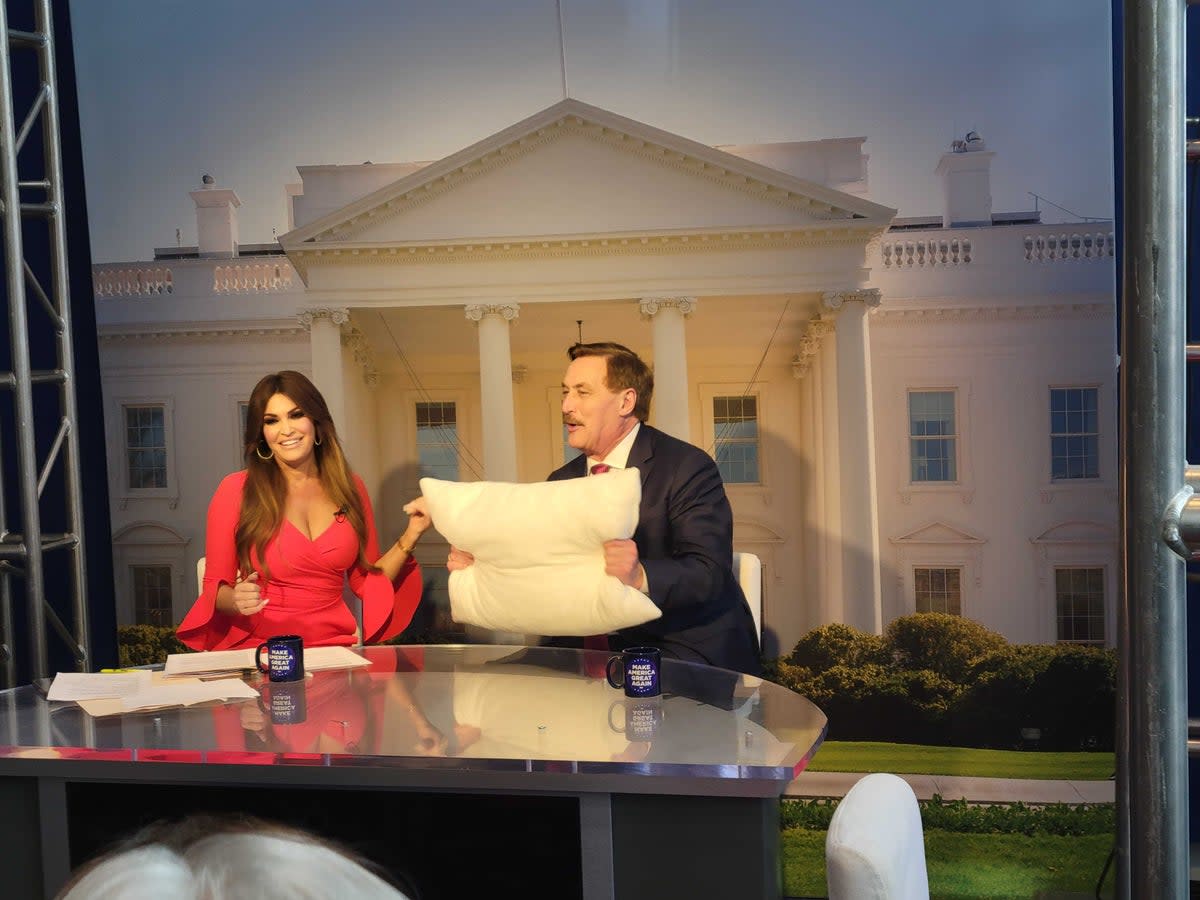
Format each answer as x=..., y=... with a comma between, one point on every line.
x=151, y=594
x=145, y=447
x=735, y=443
x=938, y=590
x=933, y=439
x=1074, y=433
x=437, y=440
x=1079, y=598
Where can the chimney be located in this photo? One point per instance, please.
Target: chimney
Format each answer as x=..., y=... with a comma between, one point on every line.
x=966, y=182
x=216, y=220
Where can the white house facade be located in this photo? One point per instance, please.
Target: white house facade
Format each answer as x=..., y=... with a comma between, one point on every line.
x=910, y=414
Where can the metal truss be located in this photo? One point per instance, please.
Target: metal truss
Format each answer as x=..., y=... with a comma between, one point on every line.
x=36, y=288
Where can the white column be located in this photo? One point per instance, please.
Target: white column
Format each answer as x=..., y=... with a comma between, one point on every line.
x=815, y=366
x=856, y=455
x=325, y=344
x=671, y=407
x=496, y=388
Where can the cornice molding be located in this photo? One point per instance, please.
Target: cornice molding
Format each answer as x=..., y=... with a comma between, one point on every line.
x=852, y=233
x=114, y=334
x=476, y=312
x=928, y=315
x=649, y=306
x=425, y=188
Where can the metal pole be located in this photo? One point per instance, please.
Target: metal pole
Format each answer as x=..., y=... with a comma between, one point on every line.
x=1152, y=745
x=61, y=294
x=14, y=278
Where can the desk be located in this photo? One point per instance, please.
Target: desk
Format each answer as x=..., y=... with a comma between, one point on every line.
x=677, y=798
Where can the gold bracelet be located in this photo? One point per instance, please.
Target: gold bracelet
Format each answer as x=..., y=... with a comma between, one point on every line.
x=407, y=550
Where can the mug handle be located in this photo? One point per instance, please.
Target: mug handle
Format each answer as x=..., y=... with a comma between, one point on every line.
x=616, y=704
x=608, y=672
x=258, y=659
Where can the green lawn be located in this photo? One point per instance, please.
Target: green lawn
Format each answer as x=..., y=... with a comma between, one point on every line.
x=976, y=866
x=917, y=759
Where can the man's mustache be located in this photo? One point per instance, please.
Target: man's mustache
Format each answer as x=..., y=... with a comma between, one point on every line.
x=569, y=421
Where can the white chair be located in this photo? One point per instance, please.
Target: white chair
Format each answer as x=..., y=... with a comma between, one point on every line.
x=875, y=848
x=748, y=569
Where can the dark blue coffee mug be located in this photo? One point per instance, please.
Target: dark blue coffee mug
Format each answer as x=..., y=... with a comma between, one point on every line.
x=286, y=703
x=639, y=669
x=285, y=658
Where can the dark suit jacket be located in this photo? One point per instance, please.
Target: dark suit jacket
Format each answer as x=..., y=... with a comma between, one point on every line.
x=685, y=543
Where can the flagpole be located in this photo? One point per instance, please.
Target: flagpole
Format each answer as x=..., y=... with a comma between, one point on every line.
x=562, y=48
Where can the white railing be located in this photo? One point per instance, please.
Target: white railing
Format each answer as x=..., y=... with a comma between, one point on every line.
x=1074, y=246
x=131, y=281
x=925, y=253
x=252, y=278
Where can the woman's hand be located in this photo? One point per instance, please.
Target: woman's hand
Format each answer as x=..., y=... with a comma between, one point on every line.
x=247, y=599
x=419, y=521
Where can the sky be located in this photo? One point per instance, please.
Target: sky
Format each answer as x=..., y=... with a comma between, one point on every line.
x=247, y=90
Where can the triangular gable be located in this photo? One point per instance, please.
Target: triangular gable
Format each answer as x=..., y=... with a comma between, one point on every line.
x=143, y=533
x=745, y=531
x=1077, y=532
x=798, y=202
x=938, y=533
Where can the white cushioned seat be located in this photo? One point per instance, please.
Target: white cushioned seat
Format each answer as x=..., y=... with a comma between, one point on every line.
x=875, y=847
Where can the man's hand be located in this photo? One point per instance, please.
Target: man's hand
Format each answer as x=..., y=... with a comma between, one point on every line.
x=621, y=561
x=459, y=560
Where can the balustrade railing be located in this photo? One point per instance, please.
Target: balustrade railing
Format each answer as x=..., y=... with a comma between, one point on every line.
x=131, y=281
x=1051, y=247
x=925, y=253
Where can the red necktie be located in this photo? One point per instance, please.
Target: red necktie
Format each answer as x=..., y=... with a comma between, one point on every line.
x=600, y=468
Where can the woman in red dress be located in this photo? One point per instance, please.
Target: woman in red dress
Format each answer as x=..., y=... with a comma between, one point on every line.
x=284, y=533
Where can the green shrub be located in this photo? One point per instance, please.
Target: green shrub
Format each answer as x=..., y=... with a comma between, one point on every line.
x=1074, y=699
x=998, y=698
x=143, y=645
x=938, y=679
x=948, y=645
x=836, y=644
x=974, y=818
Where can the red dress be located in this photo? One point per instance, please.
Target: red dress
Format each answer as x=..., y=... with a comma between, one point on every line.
x=305, y=587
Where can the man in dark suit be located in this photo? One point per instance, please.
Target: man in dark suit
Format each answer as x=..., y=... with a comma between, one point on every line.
x=681, y=554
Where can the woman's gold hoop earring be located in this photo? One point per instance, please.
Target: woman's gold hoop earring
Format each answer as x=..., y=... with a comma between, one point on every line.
x=317, y=442
x=258, y=452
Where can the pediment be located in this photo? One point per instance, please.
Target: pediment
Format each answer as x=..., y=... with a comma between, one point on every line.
x=747, y=532
x=143, y=533
x=575, y=171
x=938, y=533
x=1077, y=532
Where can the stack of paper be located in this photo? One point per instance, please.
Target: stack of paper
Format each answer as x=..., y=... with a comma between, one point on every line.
x=215, y=661
x=110, y=694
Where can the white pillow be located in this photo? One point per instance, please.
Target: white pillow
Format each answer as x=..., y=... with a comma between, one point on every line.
x=539, y=554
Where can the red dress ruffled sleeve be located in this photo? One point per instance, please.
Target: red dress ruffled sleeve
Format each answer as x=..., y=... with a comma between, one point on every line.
x=387, y=606
x=204, y=627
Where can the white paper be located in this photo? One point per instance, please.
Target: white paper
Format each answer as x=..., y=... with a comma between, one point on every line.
x=97, y=685
x=187, y=692
x=315, y=660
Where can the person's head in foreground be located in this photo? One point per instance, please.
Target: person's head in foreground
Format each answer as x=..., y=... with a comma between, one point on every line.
x=206, y=858
x=606, y=392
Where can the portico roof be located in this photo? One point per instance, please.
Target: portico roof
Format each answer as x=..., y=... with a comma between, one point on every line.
x=577, y=181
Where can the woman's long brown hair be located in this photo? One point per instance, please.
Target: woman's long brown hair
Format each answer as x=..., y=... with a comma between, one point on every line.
x=263, y=496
